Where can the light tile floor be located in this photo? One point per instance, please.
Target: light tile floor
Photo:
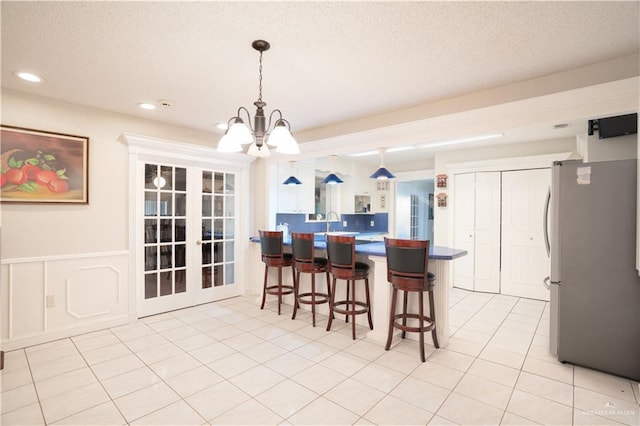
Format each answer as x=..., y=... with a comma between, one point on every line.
x=231, y=363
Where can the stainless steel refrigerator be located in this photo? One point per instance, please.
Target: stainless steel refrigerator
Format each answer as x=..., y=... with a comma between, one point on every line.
x=595, y=287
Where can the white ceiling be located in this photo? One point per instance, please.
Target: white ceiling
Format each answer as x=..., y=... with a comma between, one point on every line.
x=329, y=62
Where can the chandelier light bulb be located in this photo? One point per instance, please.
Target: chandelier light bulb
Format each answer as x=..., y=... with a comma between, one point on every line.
x=240, y=133
x=227, y=145
x=256, y=151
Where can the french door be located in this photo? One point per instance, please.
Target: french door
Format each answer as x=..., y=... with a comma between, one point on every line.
x=187, y=226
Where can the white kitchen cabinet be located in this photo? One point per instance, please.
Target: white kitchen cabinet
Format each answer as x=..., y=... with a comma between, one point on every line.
x=356, y=185
x=296, y=198
x=525, y=262
x=477, y=230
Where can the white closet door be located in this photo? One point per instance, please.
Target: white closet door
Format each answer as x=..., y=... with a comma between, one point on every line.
x=487, y=233
x=524, y=258
x=464, y=229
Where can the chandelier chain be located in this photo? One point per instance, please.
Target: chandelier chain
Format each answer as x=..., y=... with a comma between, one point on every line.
x=260, y=80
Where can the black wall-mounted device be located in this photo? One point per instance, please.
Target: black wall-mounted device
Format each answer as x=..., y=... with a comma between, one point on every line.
x=611, y=127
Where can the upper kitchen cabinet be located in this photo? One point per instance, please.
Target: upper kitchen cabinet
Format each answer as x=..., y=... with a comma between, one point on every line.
x=354, y=191
x=296, y=198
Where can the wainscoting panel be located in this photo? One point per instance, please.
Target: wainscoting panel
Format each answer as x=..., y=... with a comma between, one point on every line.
x=26, y=303
x=48, y=298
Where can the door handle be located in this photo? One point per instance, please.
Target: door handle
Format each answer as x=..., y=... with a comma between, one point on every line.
x=547, y=283
x=545, y=222
x=199, y=242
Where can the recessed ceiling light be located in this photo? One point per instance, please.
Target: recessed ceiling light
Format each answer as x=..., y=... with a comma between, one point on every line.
x=147, y=106
x=27, y=76
x=221, y=126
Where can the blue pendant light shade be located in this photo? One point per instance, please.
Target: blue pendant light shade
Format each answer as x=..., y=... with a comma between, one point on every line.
x=382, y=173
x=292, y=180
x=332, y=179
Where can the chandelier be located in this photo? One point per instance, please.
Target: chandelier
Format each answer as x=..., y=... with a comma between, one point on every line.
x=260, y=136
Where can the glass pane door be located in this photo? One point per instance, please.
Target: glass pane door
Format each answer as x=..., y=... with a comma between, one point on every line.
x=218, y=234
x=165, y=236
x=189, y=235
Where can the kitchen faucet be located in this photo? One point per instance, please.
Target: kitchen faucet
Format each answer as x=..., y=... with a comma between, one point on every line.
x=328, y=216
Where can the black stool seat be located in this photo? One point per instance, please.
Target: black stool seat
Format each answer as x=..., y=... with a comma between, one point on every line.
x=273, y=255
x=407, y=262
x=305, y=261
x=343, y=266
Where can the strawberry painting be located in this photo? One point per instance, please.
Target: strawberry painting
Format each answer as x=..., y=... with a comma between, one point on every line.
x=42, y=167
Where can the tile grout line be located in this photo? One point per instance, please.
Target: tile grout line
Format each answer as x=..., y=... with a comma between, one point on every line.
x=99, y=381
x=513, y=389
x=33, y=383
x=452, y=391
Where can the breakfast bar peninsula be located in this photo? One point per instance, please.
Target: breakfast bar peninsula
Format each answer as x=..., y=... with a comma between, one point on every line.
x=373, y=253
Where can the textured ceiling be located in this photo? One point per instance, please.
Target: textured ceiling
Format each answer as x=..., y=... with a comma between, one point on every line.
x=329, y=62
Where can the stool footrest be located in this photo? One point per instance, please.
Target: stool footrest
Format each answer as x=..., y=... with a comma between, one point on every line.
x=277, y=289
x=320, y=298
x=364, y=310
x=430, y=323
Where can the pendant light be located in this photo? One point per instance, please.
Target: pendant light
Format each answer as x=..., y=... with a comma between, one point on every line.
x=239, y=133
x=292, y=180
x=332, y=178
x=382, y=173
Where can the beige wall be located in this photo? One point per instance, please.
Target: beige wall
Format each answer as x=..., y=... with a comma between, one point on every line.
x=617, y=148
x=66, y=269
x=102, y=225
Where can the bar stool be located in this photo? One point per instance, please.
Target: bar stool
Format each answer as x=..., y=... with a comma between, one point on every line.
x=341, y=253
x=304, y=260
x=407, y=271
x=273, y=255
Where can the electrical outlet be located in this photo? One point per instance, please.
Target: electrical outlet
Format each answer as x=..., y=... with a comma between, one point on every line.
x=51, y=300
x=372, y=224
x=344, y=223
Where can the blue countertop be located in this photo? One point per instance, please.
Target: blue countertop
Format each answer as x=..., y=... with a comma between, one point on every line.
x=377, y=249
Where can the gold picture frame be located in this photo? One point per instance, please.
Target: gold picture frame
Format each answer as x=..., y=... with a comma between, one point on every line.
x=43, y=167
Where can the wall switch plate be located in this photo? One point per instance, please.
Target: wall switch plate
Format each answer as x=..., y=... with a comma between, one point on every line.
x=372, y=223
x=344, y=223
x=51, y=300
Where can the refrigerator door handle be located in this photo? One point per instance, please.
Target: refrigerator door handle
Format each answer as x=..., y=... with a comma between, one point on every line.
x=545, y=222
x=547, y=283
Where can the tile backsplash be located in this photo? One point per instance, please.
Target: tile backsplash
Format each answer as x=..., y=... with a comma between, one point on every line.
x=374, y=222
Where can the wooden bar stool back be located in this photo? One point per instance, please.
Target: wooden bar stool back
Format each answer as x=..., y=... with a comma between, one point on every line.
x=305, y=261
x=407, y=262
x=273, y=255
x=341, y=254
